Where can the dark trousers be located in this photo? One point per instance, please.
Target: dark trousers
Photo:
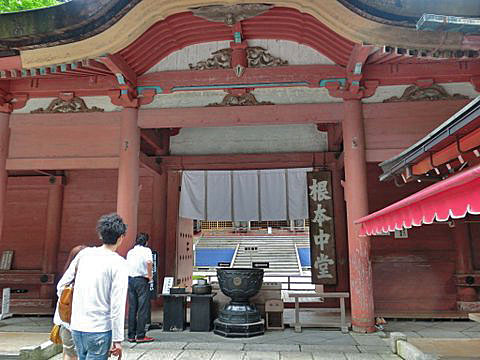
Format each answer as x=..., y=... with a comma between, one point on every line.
x=138, y=306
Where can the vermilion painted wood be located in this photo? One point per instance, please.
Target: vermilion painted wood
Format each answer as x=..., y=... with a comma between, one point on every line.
x=149, y=164
x=11, y=62
x=128, y=177
x=361, y=288
x=248, y=161
x=90, y=194
x=385, y=74
x=173, y=203
x=392, y=127
x=295, y=74
x=4, y=140
x=409, y=73
x=87, y=119
x=52, y=234
x=416, y=273
x=63, y=163
x=183, y=29
x=159, y=226
x=91, y=140
x=26, y=208
x=241, y=115
x=464, y=259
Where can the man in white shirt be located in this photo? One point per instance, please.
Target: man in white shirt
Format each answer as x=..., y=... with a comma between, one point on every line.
x=100, y=291
x=140, y=260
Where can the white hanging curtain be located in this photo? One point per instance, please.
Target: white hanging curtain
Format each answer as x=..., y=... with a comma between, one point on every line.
x=245, y=195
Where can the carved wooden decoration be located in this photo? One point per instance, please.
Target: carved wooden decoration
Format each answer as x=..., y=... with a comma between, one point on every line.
x=73, y=105
x=231, y=14
x=221, y=59
x=246, y=99
x=432, y=93
x=257, y=57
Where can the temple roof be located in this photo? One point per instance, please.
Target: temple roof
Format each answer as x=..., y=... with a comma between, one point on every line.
x=407, y=12
x=90, y=28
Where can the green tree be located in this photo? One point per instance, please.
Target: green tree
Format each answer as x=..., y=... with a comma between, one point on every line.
x=19, y=5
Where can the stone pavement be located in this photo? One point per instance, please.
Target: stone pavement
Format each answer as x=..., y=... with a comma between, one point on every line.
x=311, y=344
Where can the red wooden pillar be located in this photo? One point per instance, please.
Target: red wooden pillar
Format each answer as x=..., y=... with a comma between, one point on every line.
x=173, y=203
x=159, y=218
x=128, y=172
x=361, y=290
x=4, y=143
x=464, y=264
x=53, y=231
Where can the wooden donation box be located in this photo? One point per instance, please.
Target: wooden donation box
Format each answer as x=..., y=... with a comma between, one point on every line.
x=201, y=312
x=174, y=312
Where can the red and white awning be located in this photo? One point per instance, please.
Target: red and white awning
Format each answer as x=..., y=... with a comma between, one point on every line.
x=452, y=198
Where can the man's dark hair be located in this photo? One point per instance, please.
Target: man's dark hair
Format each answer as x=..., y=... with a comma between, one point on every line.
x=142, y=239
x=110, y=227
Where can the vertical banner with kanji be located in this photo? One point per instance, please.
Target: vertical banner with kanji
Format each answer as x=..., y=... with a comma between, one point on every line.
x=322, y=235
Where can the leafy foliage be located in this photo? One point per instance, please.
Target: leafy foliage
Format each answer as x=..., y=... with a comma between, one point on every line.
x=19, y=5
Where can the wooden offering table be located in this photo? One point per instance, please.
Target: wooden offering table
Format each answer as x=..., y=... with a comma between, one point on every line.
x=341, y=309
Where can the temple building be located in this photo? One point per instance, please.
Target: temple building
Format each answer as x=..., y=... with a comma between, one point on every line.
x=105, y=106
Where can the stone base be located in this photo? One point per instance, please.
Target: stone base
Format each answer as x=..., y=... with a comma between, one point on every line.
x=468, y=306
x=239, y=330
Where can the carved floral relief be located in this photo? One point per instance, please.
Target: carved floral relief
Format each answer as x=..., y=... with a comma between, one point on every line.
x=246, y=99
x=73, y=105
x=221, y=59
x=257, y=56
x=230, y=14
x=432, y=93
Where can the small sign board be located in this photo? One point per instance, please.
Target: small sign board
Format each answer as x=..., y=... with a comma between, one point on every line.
x=322, y=232
x=153, y=285
x=5, y=304
x=260, y=264
x=167, y=284
x=401, y=234
x=223, y=264
x=6, y=260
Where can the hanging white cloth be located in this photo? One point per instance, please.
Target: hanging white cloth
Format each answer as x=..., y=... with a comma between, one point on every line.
x=244, y=195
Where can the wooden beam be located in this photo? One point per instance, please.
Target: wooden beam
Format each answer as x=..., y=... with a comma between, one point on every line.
x=282, y=76
x=79, y=163
x=29, y=181
x=117, y=65
x=341, y=161
x=241, y=115
x=150, y=164
x=95, y=119
x=310, y=75
x=155, y=140
x=248, y=161
x=358, y=57
x=334, y=135
x=11, y=62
